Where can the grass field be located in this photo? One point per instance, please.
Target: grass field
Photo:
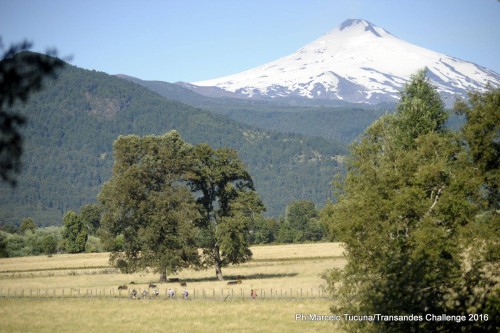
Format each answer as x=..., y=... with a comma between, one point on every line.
x=42, y=282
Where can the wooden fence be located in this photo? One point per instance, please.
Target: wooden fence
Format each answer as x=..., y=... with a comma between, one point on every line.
x=194, y=294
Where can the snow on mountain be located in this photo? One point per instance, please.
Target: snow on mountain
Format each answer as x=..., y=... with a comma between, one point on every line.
x=356, y=62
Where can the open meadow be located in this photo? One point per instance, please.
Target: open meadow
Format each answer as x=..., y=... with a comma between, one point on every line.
x=79, y=293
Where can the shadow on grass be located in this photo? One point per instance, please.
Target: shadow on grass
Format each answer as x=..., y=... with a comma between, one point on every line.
x=235, y=277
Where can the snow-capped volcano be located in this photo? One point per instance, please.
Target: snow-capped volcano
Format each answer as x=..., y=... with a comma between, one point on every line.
x=356, y=62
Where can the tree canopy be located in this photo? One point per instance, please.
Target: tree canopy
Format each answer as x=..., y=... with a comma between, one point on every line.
x=301, y=223
x=228, y=203
x=146, y=202
x=27, y=224
x=168, y=198
x=75, y=233
x=409, y=212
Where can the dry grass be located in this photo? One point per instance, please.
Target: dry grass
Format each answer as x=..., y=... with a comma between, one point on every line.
x=291, y=251
x=83, y=315
x=278, y=268
x=56, y=262
x=100, y=260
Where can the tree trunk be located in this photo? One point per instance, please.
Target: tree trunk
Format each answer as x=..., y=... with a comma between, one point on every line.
x=218, y=263
x=163, y=277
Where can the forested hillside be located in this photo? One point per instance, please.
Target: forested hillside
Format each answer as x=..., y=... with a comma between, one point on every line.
x=73, y=122
x=333, y=120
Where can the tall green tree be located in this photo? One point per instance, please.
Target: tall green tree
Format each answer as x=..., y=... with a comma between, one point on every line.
x=302, y=218
x=27, y=224
x=479, y=290
x=148, y=202
x=420, y=111
x=228, y=204
x=264, y=231
x=402, y=211
x=75, y=233
x=48, y=245
x=91, y=216
x=481, y=133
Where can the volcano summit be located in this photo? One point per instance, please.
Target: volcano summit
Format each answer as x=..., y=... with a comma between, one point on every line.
x=356, y=62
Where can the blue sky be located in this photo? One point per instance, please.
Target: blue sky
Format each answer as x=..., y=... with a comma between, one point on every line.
x=189, y=40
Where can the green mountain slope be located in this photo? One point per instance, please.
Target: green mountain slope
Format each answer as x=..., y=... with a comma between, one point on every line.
x=73, y=122
x=333, y=120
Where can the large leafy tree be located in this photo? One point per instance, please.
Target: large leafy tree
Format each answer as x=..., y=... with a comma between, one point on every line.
x=420, y=111
x=479, y=289
x=91, y=217
x=228, y=204
x=75, y=233
x=301, y=223
x=482, y=136
x=402, y=210
x=147, y=201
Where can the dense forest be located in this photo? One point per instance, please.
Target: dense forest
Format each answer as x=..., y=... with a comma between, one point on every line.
x=332, y=120
x=74, y=120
